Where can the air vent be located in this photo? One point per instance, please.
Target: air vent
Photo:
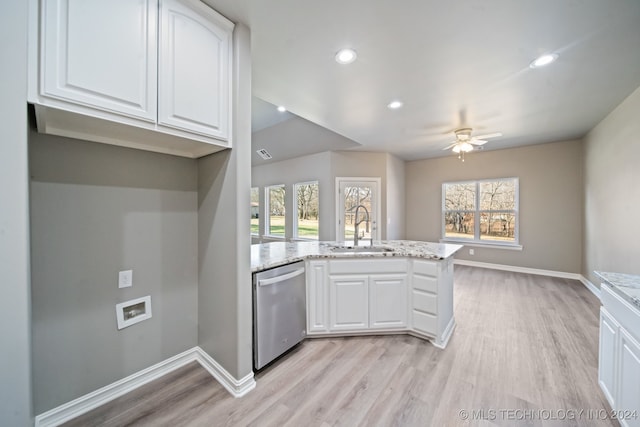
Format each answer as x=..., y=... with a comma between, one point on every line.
x=264, y=154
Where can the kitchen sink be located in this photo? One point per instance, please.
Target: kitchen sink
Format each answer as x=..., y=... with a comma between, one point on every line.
x=360, y=249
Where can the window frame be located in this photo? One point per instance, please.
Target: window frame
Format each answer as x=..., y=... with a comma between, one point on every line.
x=477, y=212
x=251, y=216
x=295, y=211
x=267, y=211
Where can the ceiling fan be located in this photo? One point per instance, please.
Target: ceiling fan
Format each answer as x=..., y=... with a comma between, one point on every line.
x=465, y=143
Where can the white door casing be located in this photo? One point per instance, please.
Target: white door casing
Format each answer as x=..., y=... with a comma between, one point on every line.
x=353, y=188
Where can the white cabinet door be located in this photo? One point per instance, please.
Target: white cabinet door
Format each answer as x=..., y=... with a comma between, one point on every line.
x=194, y=68
x=349, y=302
x=101, y=54
x=628, y=397
x=387, y=301
x=607, y=361
x=317, y=294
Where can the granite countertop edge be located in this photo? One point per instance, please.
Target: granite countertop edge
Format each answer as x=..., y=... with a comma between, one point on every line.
x=270, y=255
x=625, y=285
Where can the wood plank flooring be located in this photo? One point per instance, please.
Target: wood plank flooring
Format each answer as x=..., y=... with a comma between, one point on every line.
x=525, y=349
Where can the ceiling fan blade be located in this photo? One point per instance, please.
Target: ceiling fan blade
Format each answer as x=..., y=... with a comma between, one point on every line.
x=477, y=142
x=489, y=135
x=450, y=146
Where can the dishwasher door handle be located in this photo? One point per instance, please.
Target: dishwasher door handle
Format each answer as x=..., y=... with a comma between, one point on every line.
x=272, y=280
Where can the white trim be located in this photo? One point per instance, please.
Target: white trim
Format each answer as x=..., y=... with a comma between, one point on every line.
x=475, y=244
x=476, y=221
x=377, y=201
x=551, y=273
x=90, y=401
x=267, y=214
x=442, y=341
x=593, y=288
x=237, y=388
x=295, y=211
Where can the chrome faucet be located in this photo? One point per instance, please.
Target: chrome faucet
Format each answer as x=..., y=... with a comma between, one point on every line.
x=357, y=223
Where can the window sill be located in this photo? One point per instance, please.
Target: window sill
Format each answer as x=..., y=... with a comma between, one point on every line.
x=474, y=244
x=302, y=239
x=269, y=236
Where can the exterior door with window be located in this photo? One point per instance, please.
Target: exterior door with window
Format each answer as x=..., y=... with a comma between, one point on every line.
x=357, y=208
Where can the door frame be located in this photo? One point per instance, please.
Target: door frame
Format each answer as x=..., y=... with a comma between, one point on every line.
x=340, y=206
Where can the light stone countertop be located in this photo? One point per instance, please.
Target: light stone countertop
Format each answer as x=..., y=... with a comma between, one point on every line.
x=269, y=255
x=625, y=285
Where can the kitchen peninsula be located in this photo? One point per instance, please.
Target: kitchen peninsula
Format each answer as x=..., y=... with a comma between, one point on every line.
x=394, y=286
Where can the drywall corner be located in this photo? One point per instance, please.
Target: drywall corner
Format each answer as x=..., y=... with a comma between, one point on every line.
x=224, y=253
x=15, y=328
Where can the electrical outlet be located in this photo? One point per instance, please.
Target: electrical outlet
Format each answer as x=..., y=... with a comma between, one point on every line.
x=472, y=252
x=125, y=279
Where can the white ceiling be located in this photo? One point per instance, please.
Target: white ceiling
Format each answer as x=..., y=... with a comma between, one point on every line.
x=452, y=63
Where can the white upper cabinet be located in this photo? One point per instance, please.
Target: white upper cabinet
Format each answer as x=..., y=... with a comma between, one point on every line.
x=101, y=54
x=194, y=69
x=147, y=74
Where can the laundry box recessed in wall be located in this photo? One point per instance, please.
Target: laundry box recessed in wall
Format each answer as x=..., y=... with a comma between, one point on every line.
x=133, y=311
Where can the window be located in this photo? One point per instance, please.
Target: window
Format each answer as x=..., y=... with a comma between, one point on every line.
x=255, y=210
x=306, y=225
x=481, y=211
x=275, y=210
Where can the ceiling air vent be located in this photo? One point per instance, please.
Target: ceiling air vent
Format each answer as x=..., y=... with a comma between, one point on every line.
x=264, y=154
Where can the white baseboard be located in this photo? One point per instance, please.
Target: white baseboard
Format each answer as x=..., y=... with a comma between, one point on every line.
x=446, y=335
x=551, y=273
x=593, y=288
x=237, y=388
x=88, y=402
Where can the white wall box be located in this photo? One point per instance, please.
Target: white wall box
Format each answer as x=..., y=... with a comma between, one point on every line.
x=133, y=311
x=619, y=356
x=150, y=74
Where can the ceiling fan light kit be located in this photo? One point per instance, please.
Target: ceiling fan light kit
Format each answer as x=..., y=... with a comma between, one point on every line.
x=466, y=143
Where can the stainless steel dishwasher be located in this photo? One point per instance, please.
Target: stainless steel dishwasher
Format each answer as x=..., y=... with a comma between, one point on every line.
x=279, y=312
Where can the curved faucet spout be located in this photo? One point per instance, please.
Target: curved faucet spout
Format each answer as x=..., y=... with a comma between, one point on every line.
x=357, y=223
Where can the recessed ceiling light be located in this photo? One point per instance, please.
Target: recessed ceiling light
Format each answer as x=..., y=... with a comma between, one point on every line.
x=394, y=105
x=346, y=56
x=282, y=109
x=543, y=60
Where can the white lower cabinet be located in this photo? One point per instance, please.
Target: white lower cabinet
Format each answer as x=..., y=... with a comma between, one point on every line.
x=349, y=302
x=388, y=301
x=350, y=295
x=367, y=302
x=608, y=355
x=619, y=356
x=432, y=299
x=628, y=399
x=317, y=297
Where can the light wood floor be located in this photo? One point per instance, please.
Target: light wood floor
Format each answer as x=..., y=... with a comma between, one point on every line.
x=522, y=343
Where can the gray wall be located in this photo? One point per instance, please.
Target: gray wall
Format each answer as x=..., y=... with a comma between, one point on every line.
x=97, y=209
x=395, y=198
x=324, y=168
x=612, y=192
x=551, y=213
x=224, y=182
x=15, y=356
